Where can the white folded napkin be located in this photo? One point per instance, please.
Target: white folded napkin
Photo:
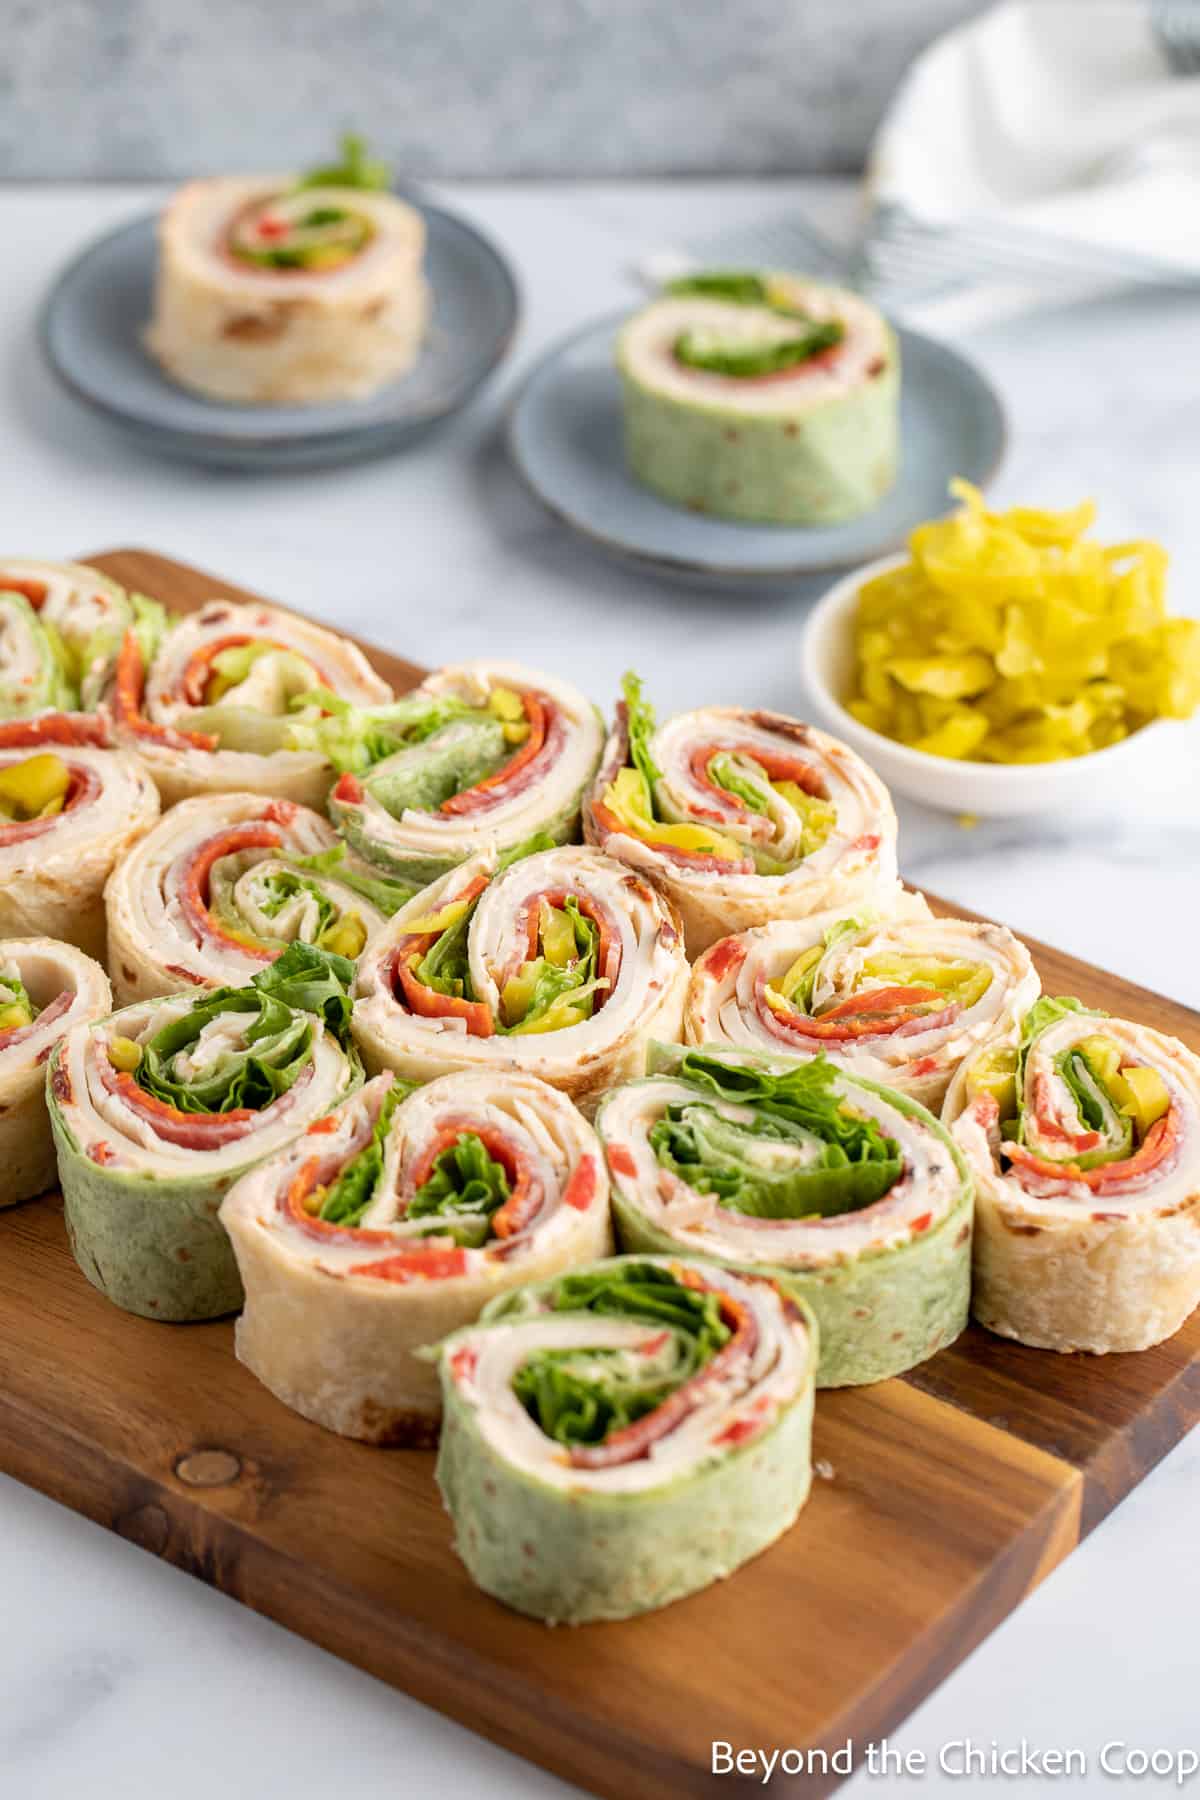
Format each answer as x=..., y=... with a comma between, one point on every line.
x=1057, y=116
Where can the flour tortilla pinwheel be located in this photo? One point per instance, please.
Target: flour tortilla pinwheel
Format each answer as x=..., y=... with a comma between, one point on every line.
x=741, y=816
x=850, y=1195
x=901, y=999
x=274, y=290
x=561, y=964
x=625, y=1434
x=222, y=885
x=158, y=1108
x=1084, y=1141
x=70, y=809
x=46, y=989
x=217, y=701
x=61, y=626
x=393, y=1221
x=481, y=753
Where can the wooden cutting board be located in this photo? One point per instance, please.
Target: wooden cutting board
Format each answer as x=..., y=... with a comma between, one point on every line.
x=944, y=1498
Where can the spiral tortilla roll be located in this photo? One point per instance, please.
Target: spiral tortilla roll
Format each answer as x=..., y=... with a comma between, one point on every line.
x=901, y=999
x=46, y=989
x=563, y=965
x=392, y=1222
x=339, y=321
x=850, y=1195
x=221, y=886
x=742, y=817
x=159, y=1108
x=70, y=808
x=503, y=752
x=61, y=625
x=1084, y=1142
x=713, y=425
x=212, y=712
x=625, y=1434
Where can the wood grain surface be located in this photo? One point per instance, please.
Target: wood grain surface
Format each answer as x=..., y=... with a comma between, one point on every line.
x=944, y=1497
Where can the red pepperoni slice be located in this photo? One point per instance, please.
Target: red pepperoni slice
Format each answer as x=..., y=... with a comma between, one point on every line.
x=1159, y=1143
x=127, y=703
x=56, y=728
x=192, y=685
x=194, y=874
x=517, y=772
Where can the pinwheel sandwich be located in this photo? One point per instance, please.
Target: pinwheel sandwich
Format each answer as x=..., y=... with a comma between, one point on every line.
x=392, y=1221
x=624, y=1434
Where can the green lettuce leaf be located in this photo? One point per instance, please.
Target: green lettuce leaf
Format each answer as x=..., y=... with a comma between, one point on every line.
x=465, y=1188
x=355, y=169
x=641, y=729
x=347, y=1198
x=273, y=1049
x=807, y=1154
x=388, y=895
x=584, y=1396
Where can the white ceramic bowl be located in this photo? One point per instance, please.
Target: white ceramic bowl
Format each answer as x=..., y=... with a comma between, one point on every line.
x=992, y=790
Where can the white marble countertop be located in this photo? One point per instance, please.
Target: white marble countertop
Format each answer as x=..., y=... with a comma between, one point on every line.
x=119, y=1676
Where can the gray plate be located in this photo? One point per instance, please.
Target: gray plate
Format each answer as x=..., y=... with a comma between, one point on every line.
x=565, y=440
x=91, y=329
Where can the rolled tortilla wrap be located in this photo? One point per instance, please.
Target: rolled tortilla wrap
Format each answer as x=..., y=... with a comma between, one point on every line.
x=562, y=965
x=780, y=405
x=159, y=1108
x=742, y=817
x=46, y=989
x=222, y=885
x=481, y=753
x=339, y=318
x=61, y=625
x=901, y=999
x=70, y=808
x=392, y=1222
x=625, y=1434
x=1084, y=1142
x=212, y=708
x=850, y=1195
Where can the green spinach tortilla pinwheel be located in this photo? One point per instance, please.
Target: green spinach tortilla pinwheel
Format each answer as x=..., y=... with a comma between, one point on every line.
x=158, y=1109
x=391, y=1222
x=222, y=885
x=46, y=989
x=741, y=816
x=219, y=701
x=901, y=999
x=625, y=1434
x=559, y=964
x=1084, y=1141
x=61, y=626
x=850, y=1195
x=482, y=753
x=278, y=290
x=70, y=808
x=762, y=396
